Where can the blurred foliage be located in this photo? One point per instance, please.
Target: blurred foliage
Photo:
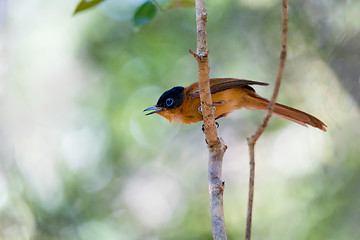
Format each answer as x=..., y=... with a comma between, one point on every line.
x=145, y=13
x=181, y=3
x=84, y=5
x=81, y=161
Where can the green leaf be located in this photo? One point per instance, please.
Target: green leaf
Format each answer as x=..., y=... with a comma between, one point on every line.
x=86, y=4
x=144, y=13
x=184, y=3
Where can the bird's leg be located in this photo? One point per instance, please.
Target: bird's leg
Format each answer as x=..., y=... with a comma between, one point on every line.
x=222, y=115
x=213, y=105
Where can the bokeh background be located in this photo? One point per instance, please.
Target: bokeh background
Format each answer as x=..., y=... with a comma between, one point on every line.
x=79, y=160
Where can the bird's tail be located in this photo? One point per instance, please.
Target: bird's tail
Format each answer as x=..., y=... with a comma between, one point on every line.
x=254, y=101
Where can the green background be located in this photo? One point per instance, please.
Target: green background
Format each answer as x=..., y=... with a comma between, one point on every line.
x=79, y=160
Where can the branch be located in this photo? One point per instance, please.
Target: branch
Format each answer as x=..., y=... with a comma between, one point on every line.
x=252, y=140
x=216, y=147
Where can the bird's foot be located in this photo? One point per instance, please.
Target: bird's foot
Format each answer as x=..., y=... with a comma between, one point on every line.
x=203, y=127
x=200, y=110
x=213, y=106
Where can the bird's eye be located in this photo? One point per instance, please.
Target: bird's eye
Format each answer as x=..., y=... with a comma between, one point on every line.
x=169, y=102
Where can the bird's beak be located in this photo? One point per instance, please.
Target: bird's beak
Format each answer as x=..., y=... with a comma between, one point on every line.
x=155, y=108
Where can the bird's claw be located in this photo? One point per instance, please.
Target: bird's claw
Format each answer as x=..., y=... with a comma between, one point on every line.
x=213, y=106
x=203, y=127
x=200, y=111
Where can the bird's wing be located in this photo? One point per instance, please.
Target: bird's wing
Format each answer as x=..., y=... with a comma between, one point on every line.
x=222, y=84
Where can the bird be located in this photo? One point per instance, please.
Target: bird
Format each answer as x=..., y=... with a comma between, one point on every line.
x=182, y=104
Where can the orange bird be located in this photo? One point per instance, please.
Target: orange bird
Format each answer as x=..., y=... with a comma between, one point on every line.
x=181, y=104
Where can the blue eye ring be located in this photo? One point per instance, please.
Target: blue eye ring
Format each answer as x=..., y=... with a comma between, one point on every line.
x=169, y=102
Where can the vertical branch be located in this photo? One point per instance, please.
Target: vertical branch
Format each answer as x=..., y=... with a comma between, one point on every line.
x=203, y=75
x=215, y=145
x=252, y=140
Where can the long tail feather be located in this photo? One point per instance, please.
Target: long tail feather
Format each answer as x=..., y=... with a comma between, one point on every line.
x=254, y=101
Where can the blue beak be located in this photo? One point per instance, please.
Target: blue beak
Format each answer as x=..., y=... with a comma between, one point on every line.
x=155, y=110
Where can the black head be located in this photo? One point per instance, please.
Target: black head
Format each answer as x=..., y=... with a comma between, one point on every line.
x=170, y=99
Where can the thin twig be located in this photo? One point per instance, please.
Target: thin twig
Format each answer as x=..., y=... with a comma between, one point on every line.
x=215, y=145
x=252, y=140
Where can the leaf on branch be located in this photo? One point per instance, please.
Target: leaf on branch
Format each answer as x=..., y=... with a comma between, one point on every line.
x=184, y=3
x=144, y=13
x=86, y=4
